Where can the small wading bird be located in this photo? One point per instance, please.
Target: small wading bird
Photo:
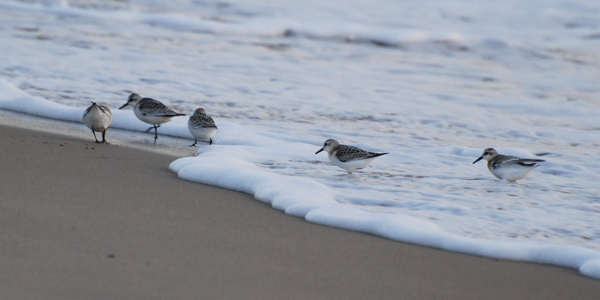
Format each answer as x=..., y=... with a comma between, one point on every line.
x=97, y=118
x=346, y=157
x=150, y=111
x=201, y=126
x=506, y=167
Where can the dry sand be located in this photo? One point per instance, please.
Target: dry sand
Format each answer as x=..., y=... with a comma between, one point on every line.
x=81, y=220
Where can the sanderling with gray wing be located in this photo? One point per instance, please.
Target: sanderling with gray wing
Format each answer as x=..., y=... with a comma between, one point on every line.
x=506, y=167
x=97, y=118
x=201, y=126
x=150, y=111
x=346, y=157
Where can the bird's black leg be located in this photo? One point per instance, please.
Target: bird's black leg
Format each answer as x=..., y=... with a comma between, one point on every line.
x=210, y=141
x=94, y=135
x=156, y=133
x=154, y=126
x=104, y=136
x=194, y=144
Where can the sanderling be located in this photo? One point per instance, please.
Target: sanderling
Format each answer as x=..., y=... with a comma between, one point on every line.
x=150, y=111
x=98, y=118
x=201, y=126
x=346, y=157
x=511, y=168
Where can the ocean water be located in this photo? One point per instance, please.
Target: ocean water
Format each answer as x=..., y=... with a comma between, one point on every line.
x=432, y=83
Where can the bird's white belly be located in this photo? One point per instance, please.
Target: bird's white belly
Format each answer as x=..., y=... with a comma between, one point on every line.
x=97, y=121
x=352, y=164
x=149, y=118
x=202, y=133
x=512, y=173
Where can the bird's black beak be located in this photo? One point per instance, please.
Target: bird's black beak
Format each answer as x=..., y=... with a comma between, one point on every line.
x=319, y=151
x=124, y=105
x=480, y=158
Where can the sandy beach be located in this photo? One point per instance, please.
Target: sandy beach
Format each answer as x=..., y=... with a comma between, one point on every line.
x=93, y=221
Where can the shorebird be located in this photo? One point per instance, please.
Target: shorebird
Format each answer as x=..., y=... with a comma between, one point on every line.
x=346, y=157
x=511, y=168
x=150, y=111
x=97, y=118
x=201, y=126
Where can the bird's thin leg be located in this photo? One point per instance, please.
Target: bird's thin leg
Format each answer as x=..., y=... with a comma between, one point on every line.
x=94, y=135
x=210, y=141
x=156, y=133
x=194, y=144
x=104, y=136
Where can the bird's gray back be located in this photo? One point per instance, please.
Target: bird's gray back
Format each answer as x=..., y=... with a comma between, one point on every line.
x=346, y=153
x=105, y=110
x=507, y=159
x=152, y=107
x=202, y=121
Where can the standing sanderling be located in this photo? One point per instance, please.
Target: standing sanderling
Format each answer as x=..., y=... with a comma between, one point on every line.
x=346, y=157
x=201, y=126
x=150, y=111
x=511, y=168
x=98, y=118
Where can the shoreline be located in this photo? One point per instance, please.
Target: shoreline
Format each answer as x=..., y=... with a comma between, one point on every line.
x=85, y=220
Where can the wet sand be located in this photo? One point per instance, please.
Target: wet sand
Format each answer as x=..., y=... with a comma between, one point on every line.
x=81, y=220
